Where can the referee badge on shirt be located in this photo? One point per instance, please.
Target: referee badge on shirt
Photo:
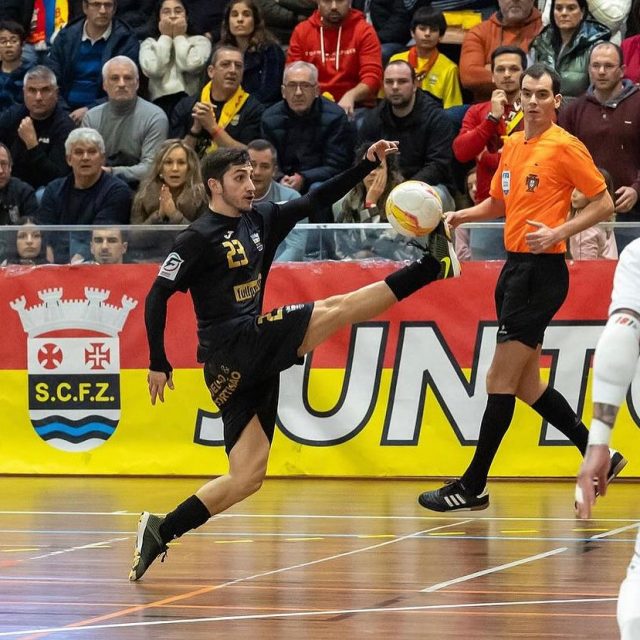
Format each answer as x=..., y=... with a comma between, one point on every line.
x=506, y=182
x=532, y=181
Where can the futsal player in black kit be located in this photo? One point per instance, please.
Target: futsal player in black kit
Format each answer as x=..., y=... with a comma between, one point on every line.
x=223, y=259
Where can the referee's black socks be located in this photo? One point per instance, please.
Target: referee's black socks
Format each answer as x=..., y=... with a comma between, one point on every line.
x=414, y=276
x=186, y=516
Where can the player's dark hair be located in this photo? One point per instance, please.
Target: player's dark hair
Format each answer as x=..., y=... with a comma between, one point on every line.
x=216, y=164
x=505, y=49
x=613, y=45
x=403, y=63
x=537, y=70
x=427, y=17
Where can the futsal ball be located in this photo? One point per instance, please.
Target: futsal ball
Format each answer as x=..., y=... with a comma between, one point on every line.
x=414, y=208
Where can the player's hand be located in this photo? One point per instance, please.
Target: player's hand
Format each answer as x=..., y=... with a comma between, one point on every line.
x=542, y=239
x=381, y=149
x=157, y=381
x=591, y=477
x=626, y=198
x=498, y=101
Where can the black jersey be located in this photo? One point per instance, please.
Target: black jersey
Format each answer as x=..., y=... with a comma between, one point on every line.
x=224, y=262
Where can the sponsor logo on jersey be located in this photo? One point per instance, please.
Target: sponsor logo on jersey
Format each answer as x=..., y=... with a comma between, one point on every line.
x=171, y=266
x=248, y=290
x=228, y=234
x=256, y=240
x=506, y=182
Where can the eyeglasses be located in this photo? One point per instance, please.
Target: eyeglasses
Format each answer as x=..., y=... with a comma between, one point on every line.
x=5, y=42
x=107, y=6
x=303, y=86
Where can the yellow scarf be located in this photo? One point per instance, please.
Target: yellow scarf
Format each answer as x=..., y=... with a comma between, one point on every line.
x=229, y=111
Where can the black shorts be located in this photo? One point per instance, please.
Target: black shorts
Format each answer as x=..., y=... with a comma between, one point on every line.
x=530, y=290
x=243, y=375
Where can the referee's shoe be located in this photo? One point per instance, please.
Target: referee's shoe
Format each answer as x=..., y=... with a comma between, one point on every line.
x=149, y=545
x=454, y=497
x=440, y=246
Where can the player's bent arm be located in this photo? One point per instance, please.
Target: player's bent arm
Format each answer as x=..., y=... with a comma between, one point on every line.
x=488, y=209
x=599, y=209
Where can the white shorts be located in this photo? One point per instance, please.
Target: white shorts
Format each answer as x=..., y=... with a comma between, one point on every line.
x=626, y=282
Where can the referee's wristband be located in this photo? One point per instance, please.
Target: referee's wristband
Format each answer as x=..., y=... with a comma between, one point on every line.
x=599, y=433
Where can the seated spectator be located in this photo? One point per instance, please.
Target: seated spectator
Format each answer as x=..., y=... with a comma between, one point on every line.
x=243, y=27
x=265, y=165
x=565, y=43
x=484, y=128
x=17, y=198
x=25, y=246
x=311, y=134
x=172, y=192
x=417, y=121
x=12, y=68
x=89, y=195
x=366, y=203
x=81, y=49
x=631, y=56
x=345, y=50
x=436, y=74
x=222, y=114
x=611, y=13
x=108, y=246
x=282, y=16
x=36, y=131
x=172, y=60
x=516, y=23
x=594, y=242
x=132, y=128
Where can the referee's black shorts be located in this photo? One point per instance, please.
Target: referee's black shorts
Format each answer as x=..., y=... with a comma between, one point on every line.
x=530, y=290
x=243, y=375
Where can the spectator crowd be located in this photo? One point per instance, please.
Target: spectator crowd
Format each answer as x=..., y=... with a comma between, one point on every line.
x=107, y=108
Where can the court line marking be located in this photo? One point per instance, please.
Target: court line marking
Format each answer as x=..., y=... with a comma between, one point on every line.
x=197, y=592
x=303, y=614
x=502, y=567
x=76, y=548
x=613, y=532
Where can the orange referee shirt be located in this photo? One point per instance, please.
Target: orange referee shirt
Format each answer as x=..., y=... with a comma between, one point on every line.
x=535, y=179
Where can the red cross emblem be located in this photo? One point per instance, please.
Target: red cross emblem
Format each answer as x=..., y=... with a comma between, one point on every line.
x=97, y=356
x=50, y=355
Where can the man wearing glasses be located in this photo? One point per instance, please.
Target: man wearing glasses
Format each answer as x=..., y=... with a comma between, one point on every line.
x=81, y=49
x=311, y=134
x=609, y=111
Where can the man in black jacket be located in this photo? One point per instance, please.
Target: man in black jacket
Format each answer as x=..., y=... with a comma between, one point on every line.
x=36, y=131
x=424, y=132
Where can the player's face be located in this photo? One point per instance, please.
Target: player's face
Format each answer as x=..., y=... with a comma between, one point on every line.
x=107, y=246
x=538, y=100
x=264, y=168
x=399, y=88
x=507, y=70
x=241, y=22
x=333, y=11
x=29, y=241
x=237, y=188
x=175, y=167
x=567, y=14
x=426, y=37
x=299, y=90
x=605, y=70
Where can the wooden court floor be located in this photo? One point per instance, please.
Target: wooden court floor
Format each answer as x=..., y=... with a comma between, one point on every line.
x=312, y=559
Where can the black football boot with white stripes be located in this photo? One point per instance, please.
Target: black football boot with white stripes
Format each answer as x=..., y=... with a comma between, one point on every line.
x=454, y=497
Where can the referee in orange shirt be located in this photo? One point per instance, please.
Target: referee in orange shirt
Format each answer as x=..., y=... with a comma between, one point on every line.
x=538, y=170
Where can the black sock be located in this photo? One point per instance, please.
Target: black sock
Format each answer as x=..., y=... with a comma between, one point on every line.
x=555, y=409
x=186, y=516
x=414, y=276
x=495, y=422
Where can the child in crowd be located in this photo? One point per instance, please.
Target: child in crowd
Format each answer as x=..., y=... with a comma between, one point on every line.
x=12, y=69
x=595, y=242
x=436, y=73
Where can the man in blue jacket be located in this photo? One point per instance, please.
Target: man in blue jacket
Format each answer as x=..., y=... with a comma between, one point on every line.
x=81, y=49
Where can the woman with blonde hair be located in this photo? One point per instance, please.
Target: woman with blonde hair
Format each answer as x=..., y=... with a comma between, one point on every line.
x=172, y=192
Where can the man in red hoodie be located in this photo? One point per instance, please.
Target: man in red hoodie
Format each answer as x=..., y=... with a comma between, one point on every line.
x=346, y=51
